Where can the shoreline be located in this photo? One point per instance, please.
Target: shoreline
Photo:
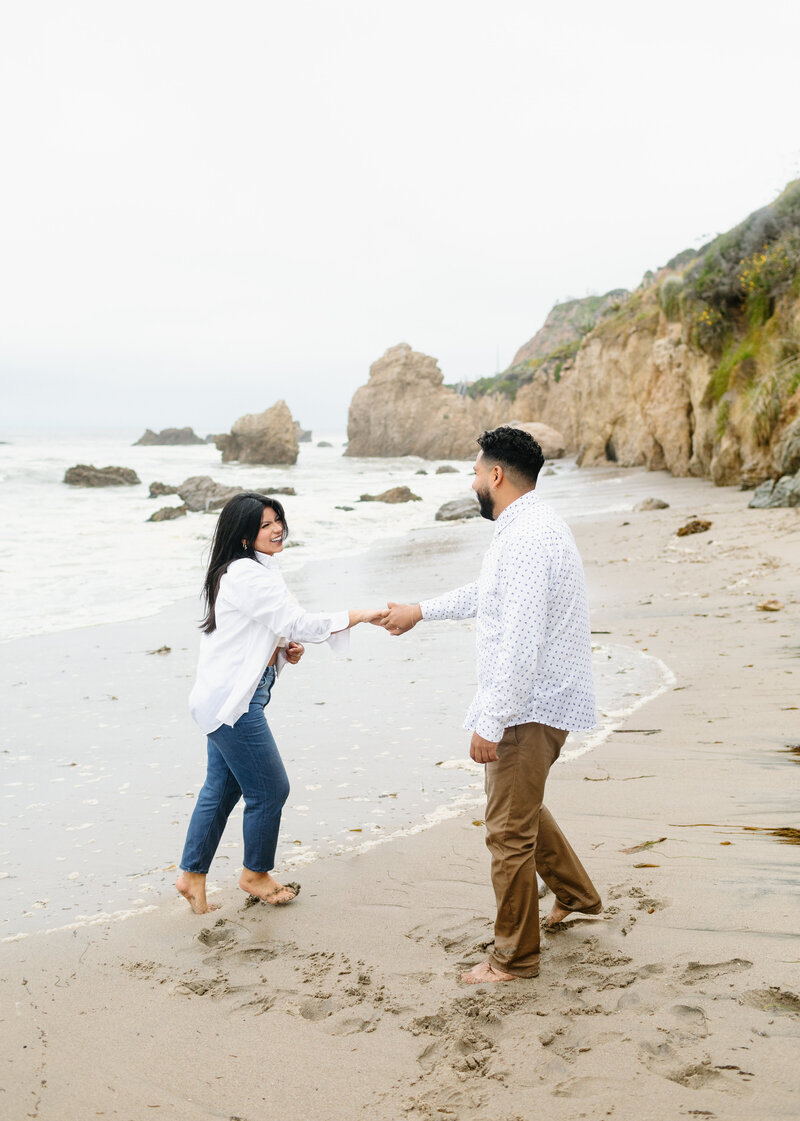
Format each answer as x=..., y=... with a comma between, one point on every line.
x=683, y=992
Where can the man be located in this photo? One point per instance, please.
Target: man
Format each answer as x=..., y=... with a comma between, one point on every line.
x=534, y=687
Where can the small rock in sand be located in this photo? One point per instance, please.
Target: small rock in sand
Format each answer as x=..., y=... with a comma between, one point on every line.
x=770, y=605
x=651, y=504
x=696, y=525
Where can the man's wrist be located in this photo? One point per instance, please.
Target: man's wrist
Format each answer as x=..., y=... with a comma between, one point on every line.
x=416, y=613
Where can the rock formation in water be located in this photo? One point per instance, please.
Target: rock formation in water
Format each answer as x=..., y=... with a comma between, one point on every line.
x=392, y=495
x=200, y=492
x=169, y=437
x=86, y=475
x=457, y=509
x=168, y=514
x=404, y=409
x=267, y=437
x=159, y=490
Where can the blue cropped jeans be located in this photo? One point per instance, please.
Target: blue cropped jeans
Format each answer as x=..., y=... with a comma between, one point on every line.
x=243, y=761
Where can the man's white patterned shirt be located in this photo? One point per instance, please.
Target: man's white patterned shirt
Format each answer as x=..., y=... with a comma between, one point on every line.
x=532, y=622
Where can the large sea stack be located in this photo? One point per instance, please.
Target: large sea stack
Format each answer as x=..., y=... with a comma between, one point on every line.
x=268, y=437
x=404, y=409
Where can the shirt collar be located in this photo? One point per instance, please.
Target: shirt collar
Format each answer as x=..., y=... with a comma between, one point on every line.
x=518, y=506
x=265, y=559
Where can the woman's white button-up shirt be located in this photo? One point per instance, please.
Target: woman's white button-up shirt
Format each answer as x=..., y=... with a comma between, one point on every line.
x=255, y=614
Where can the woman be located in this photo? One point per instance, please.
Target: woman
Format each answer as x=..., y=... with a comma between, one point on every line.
x=252, y=627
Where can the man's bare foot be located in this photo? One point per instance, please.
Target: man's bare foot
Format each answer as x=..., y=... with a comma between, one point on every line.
x=192, y=886
x=264, y=887
x=556, y=916
x=485, y=974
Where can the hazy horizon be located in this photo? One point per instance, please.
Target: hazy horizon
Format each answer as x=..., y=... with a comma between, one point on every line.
x=205, y=210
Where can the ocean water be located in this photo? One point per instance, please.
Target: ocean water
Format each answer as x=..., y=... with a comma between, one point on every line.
x=104, y=562
x=71, y=556
x=353, y=785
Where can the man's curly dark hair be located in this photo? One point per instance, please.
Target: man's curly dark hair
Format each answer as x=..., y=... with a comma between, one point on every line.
x=514, y=449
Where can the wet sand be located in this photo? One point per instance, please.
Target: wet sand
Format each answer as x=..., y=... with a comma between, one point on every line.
x=680, y=1000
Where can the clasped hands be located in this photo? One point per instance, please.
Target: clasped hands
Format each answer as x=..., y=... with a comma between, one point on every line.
x=397, y=618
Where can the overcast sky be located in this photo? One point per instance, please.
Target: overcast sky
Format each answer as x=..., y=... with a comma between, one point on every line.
x=205, y=207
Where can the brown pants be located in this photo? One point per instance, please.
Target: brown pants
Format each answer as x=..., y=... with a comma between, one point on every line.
x=522, y=836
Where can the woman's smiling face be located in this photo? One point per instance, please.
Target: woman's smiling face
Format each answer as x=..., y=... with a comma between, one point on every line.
x=269, y=539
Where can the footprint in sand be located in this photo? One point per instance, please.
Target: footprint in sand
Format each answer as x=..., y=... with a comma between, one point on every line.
x=353, y=1023
x=254, y=955
x=602, y=1088
x=318, y=1008
x=466, y=1034
x=219, y=936
x=258, y=1006
x=697, y=971
x=690, y=1018
x=337, y=1018
x=463, y=937
x=447, y=1104
x=702, y=1075
x=201, y=986
x=773, y=1000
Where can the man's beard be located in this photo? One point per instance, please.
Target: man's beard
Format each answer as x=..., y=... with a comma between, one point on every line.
x=485, y=503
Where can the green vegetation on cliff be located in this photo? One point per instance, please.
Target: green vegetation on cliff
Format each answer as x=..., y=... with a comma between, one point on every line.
x=554, y=346
x=734, y=303
x=509, y=382
x=734, y=283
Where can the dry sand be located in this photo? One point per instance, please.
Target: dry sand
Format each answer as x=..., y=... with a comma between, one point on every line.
x=679, y=1001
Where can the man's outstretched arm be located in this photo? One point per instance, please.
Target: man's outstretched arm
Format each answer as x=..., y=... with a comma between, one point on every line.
x=461, y=603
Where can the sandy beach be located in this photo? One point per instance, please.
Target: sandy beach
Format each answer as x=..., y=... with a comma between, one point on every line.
x=681, y=1000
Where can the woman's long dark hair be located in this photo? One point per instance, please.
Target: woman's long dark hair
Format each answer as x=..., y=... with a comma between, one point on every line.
x=238, y=526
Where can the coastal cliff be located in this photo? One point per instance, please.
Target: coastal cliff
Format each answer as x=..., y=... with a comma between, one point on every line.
x=697, y=371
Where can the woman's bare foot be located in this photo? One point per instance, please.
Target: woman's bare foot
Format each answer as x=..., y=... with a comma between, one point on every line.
x=484, y=974
x=192, y=886
x=557, y=915
x=264, y=887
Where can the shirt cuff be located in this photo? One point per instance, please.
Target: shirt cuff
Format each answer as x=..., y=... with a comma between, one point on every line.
x=490, y=729
x=432, y=609
x=339, y=640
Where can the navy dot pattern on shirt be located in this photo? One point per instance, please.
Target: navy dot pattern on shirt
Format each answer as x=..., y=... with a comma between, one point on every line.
x=532, y=622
